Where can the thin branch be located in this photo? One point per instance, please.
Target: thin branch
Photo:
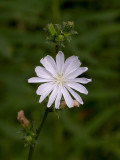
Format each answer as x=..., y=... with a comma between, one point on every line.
x=56, y=49
x=32, y=146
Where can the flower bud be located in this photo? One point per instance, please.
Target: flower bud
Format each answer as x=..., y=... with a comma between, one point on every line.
x=51, y=29
x=68, y=26
x=22, y=119
x=29, y=138
x=75, y=103
x=71, y=23
x=60, y=38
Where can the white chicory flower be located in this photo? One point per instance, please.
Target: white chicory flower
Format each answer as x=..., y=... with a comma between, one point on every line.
x=60, y=79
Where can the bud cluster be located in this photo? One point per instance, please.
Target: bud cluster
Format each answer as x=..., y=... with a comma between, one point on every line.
x=57, y=34
x=27, y=128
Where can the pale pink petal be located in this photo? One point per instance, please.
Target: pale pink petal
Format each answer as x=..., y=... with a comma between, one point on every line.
x=43, y=88
x=78, y=87
x=75, y=95
x=60, y=61
x=52, y=96
x=82, y=80
x=46, y=93
x=58, y=98
x=68, y=61
x=73, y=66
x=37, y=80
x=43, y=73
x=67, y=97
x=78, y=72
x=49, y=63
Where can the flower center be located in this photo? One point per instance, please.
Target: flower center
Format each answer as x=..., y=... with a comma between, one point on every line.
x=60, y=79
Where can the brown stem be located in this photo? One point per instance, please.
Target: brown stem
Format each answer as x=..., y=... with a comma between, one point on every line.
x=56, y=49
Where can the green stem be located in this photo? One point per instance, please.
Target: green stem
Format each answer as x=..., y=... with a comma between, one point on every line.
x=41, y=125
x=30, y=152
x=31, y=149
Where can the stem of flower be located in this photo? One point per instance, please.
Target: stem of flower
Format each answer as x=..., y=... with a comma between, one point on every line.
x=41, y=125
x=31, y=149
x=30, y=152
x=56, y=49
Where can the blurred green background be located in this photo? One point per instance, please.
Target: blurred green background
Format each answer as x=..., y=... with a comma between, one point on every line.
x=91, y=132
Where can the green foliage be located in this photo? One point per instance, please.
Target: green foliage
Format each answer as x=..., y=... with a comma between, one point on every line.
x=91, y=132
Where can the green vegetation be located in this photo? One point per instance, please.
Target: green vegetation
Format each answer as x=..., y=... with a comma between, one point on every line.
x=91, y=132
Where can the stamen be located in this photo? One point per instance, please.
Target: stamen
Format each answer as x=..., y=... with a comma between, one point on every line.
x=60, y=79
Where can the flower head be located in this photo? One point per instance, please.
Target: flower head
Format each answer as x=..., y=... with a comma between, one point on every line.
x=60, y=79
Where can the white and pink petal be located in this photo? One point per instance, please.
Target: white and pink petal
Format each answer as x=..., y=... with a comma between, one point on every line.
x=43, y=73
x=60, y=61
x=58, y=98
x=43, y=88
x=77, y=72
x=46, y=93
x=49, y=63
x=75, y=95
x=38, y=80
x=52, y=96
x=82, y=80
x=78, y=87
x=67, y=97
